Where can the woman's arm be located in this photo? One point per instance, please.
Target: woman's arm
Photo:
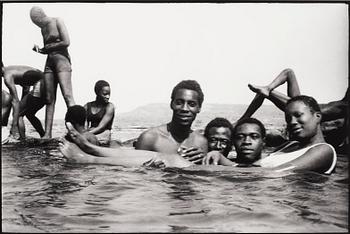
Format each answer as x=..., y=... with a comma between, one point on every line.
x=108, y=116
x=318, y=159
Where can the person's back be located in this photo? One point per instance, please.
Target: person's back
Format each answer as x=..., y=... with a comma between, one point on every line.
x=76, y=115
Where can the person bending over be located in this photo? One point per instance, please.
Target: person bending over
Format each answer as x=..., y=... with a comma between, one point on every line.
x=24, y=76
x=29, y=105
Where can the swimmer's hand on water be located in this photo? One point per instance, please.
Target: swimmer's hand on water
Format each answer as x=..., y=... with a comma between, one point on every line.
x=192, y=154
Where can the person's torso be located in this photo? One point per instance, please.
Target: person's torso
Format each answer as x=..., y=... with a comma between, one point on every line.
x=165, y=143
x=51, y=34
x=95, y=114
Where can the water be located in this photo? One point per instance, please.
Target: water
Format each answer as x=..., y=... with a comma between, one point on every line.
x=41, y=192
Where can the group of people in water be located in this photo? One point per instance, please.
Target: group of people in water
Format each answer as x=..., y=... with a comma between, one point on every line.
x=174, y=144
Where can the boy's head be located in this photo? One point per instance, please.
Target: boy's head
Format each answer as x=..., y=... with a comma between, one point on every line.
x=76, y=115
x=219, y=133
x=249, y=140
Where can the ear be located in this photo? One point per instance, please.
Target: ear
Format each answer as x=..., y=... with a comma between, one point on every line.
x=318, y=115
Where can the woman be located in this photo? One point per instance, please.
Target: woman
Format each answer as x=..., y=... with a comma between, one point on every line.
x=100, y=113
x=58, y=62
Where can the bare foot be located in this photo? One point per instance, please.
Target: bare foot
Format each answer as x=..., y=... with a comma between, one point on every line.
x=263, y=90
x=73, y=153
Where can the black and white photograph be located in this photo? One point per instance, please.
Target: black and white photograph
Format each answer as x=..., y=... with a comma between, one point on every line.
x=175, y=117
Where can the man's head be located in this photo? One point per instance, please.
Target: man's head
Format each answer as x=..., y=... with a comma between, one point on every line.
x=219, y=133
x=249, y=140
x=38, y=16
x=102, y=90
x=303, y=117
x=186, y=101
x=76, y=115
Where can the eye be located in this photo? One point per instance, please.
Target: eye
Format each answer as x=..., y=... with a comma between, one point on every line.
x=239, y=136
x=255, y=136
x=178, y=102
x=192, y=104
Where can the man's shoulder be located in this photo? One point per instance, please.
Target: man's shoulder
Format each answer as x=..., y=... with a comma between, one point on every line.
x=154, y=131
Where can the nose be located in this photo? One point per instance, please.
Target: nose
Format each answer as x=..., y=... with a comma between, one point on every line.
x=247, y=140
x=218, y=145
x=184, y=107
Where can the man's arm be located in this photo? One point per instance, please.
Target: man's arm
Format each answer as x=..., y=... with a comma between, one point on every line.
x=146, y=141
x=108, y=116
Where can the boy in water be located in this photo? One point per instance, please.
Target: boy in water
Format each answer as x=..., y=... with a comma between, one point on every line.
x=76, y=115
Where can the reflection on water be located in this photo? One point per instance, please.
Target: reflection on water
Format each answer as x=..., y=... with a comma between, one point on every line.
x=41, y=192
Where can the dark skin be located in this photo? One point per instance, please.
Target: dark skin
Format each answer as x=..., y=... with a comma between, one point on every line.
x=177, y=136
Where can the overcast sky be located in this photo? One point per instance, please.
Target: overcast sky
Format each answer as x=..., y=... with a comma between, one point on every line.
x=144, y=50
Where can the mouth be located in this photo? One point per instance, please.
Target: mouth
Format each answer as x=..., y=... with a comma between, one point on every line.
x=184, y=117
x=246, y=150
x=296, y=130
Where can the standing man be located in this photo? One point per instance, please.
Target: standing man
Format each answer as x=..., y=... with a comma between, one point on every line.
x=177, y=135
x=24, y=76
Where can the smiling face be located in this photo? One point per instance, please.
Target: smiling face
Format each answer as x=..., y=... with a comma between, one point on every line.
x=249, y=142
x=219, y=138
x=104, y=94
x=302, y=123
x=185, y=106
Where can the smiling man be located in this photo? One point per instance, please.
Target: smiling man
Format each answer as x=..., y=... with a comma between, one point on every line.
x=177, y=135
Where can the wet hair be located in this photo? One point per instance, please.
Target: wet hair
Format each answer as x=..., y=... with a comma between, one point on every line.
x=191, y=85
x=76, y=115
x=37, y=14
x=307, y=100
x=31, y=77
x=217, y=123
x=99, y=85
x=250, y=121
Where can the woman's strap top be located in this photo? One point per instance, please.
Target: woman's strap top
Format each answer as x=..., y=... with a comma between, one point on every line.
x=277, y=158
x=95, y=119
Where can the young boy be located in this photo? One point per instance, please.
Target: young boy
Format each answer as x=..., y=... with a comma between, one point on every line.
x=76, y=115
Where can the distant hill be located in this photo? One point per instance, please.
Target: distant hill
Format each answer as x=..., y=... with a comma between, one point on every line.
x=157, y=113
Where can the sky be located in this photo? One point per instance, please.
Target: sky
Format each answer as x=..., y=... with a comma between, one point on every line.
x=144, y=49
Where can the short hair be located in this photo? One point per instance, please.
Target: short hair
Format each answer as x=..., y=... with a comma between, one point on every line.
x=99, y=85
x=250, y=121
x=217, y=123
x=76, y=115
x=37, y=14
x=191, y=85
x=307, y=100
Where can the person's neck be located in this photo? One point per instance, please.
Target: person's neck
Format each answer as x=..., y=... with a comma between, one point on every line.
x=99, y=102
x=317, y=138
x=244, y=160
x=179, y=132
